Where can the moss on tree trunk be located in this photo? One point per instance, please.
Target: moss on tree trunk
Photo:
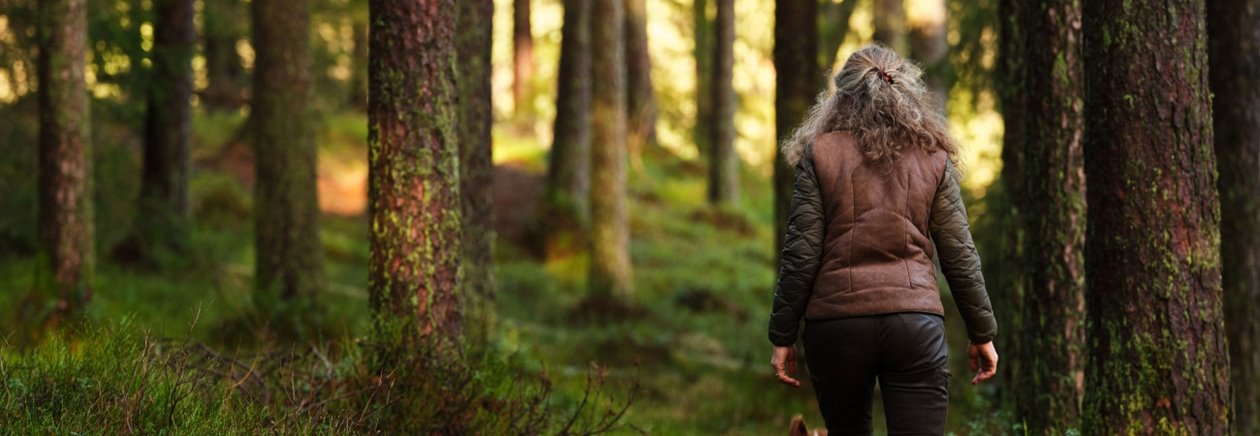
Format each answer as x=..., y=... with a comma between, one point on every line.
x=610, y=227
x=475, y=159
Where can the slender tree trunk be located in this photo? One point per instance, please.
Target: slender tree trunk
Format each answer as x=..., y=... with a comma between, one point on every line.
x=929, y=46
x=890, y=25
x=610, y=227
x=161, y=224
x=224, y=23
x=723, y=161
x=640, y=98
x=65, y=164
x=1234, y=40
x=476, y=166
x=522, y=55
x=797, y=83
x=359, y=78
x=1157, y=349
x=832, y=27
x=568, y=188
x=413, y=158
x=288, y=264
x=703, y=51
x=1054, y=300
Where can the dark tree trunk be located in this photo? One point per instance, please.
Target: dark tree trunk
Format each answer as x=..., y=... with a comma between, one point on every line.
x=723, y=160
x=1157, y=349
x=224, y=22
x=568, y=188
x=1234, y=40
x=161, y=224
x=413, y=158
x=610, y=227
x=289, y=270
x=890, y=25
x=65, y=164
x=640, y=98
x=476, y=166
x=930, y=47
x=797, y=83
x=702, y=34
x=1053, y=341
x=832, y=27
x=522, y=55
x=359, y=78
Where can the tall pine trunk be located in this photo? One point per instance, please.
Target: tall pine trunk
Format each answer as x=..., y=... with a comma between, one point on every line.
x=476, y=166
x=1234, y=41
x=224, y=22
x=797, y=83
x=1157, y=353
x=522, y=55
x=413, y=158
x=927, y=24
x=161, y=224
x=288, y=260
x=890, y=25
x=723, y=160
x=65, y=162
x=610, y=227
x=702, y=29
x=568, y=186
x=640, y=98
x=1053, y=339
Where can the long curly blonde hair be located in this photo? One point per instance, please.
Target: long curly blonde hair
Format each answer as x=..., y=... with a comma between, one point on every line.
x=880, y=99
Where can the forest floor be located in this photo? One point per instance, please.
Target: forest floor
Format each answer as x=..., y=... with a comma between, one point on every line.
x=690, y=347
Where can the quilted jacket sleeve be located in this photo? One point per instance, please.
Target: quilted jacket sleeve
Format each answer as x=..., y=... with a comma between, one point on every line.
x=802, y=253
x=959, y=262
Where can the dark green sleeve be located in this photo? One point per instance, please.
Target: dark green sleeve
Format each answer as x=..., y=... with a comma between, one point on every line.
x=959, y=261
x=802, y=253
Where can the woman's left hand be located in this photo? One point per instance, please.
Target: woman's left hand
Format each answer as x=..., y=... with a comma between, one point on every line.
x=784, y=362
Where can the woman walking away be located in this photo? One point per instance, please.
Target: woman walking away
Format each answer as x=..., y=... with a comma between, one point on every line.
x=875, y=188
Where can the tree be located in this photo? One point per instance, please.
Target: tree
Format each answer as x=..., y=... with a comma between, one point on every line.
x=522, y=54
x=568, y=184
x=224, y=24
x=1157, y=350
x=723, y=161
x=161, y=224
x=475, y=152
x=1053, y=339
x=413, y=158
x=832, y=25
x=640, y=98
x=796, y=85
x=1234, y=41
x=65, y=165
x=610, y=229
x=702, y=28
x=929, y=46
x=890, y=25
x=288, y=260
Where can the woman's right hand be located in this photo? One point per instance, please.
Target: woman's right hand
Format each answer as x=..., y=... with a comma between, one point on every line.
x=983, y=359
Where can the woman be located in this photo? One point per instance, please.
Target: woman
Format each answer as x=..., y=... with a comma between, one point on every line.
x=876, y=194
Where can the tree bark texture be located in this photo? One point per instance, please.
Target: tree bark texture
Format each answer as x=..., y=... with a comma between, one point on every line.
x=640, y=97
x=161, y=224
x=413, y=158
x=610, y=227
x=1234, y=41
x=723, y=160
x=568, y=186
x=522, y=54
x=1053, y=339
x=224, y=23
x=475, y=159
x=288, y=262
x=65, y=163
x=1157, y=349
x=797, y=82
x=929, y=46
x=890, y=25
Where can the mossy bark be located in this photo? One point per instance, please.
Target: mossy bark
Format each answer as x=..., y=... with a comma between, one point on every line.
x=476, y=164
x=1052, y=340
x=890, y=25
x=566, y=219
x=224, y=23
x=1158, y=361
x=929, y=46
x=414, y=171
x=522, y=55
x=610, y=227
x=162, y=221
x=723, y=160
x=65, y=164
x=798, y=81
x=1234, y=41
x=640, y=97
x=288, y=269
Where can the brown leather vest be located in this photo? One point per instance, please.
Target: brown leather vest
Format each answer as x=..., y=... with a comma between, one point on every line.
x=877, y=253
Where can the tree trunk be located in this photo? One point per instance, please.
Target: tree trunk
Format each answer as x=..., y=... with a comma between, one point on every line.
x=930, y=47
x=723, y=160
x=1157, y=349
x=640, y=98
x=476, y=166
x=702, y=34
x=1054, y=299
x=568, y=187
x=223, y=24
x=289, y=270
x=413, y=159
x=65, y=164
x=797, y=83
x=522, y=55
x=832, y=26
x=1234, y=40
x=610, y=229
x=890, y=25
x=161, y=224
x=359, y=74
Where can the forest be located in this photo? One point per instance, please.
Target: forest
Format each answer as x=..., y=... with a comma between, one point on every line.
x=566, y=216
